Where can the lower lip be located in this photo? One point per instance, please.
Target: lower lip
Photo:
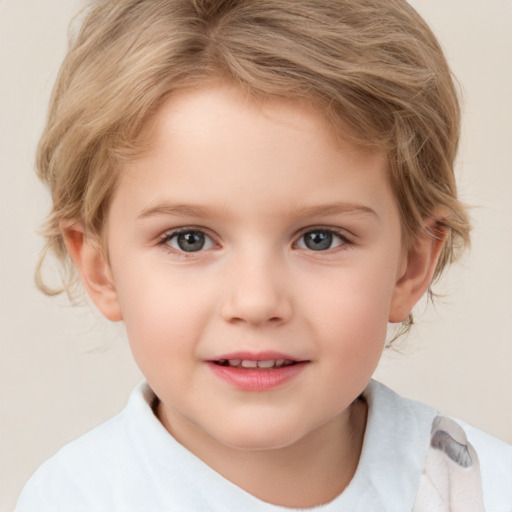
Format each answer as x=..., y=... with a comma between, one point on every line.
x=257, y=380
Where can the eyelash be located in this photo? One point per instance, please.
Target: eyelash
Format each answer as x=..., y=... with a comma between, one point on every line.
x=345, y=242
x=167, y=237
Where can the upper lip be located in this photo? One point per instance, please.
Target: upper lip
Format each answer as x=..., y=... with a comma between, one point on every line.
x=257, y=356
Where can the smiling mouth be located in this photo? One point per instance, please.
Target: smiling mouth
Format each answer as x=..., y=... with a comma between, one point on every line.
x=250, y=364
x=261, y=372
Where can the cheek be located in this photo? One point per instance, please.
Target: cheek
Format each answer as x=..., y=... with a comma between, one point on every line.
x=163, y=314
x=350, y=297
x=351, y=315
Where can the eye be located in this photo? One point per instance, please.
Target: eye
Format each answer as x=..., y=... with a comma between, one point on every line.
x=188, y=240
x=321, y=240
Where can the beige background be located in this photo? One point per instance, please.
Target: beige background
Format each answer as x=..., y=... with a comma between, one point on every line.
x=64, y=370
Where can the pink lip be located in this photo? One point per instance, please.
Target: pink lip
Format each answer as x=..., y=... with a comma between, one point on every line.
x=248, y=379
x=256, y=356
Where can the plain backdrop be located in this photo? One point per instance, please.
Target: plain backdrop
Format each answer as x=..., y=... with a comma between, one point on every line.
x=63, y=370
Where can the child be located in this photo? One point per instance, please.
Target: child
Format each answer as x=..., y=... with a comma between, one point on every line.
x=256, y=189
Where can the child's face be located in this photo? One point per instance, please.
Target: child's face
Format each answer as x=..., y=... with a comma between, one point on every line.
x=247, y=233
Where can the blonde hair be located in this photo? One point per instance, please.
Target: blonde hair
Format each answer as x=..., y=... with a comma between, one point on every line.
x=373, y=67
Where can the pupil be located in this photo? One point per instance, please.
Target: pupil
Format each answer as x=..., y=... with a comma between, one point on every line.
x=318, y=240
x=191, y=241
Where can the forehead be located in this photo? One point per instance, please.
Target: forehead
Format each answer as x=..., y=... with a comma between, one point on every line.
x=217, y=145
x=226, y=109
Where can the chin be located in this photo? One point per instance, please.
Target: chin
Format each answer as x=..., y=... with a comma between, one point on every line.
x=259, y=437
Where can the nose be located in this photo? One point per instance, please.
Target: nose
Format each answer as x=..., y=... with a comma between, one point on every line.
x=257, y=293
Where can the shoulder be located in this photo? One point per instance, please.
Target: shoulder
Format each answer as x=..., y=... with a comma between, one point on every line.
x=490, y=449
x=63, y=479
x=495, y=458
x=83, y=474
x=438, y=445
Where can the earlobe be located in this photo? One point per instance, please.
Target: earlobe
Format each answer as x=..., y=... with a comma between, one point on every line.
x=414, y=280
x=94, y=269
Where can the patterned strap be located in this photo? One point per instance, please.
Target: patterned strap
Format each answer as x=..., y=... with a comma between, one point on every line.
x=451, y=480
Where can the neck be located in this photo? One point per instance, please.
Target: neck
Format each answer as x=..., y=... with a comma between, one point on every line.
x=308, y=473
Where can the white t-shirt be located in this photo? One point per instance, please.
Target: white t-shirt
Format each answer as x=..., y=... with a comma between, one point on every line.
x=409, y=458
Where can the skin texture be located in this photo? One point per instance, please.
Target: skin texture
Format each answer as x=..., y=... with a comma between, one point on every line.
x=255, y=178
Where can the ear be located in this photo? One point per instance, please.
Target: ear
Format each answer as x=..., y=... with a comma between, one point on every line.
x=417, y=271
x=93, y=267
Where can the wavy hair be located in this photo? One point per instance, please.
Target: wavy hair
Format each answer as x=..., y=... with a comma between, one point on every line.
x=372, y=67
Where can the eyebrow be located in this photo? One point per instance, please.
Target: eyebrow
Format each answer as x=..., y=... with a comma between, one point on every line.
x=188, y=210
x=334, y=209
x=183, y=210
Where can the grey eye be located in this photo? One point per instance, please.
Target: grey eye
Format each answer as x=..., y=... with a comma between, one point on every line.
x=190, y=241
x=320, y=240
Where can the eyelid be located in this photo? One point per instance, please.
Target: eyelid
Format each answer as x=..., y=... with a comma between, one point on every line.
x=171, y=233
x=342, y=232
x=339, y=232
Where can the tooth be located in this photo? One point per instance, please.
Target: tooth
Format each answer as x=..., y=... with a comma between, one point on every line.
x=279, y=362
x=246, y=363
x=266, y=364
x=234, y=362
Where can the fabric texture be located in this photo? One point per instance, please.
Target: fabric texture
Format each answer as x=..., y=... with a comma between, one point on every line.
x=451, y=479
x=413, y=459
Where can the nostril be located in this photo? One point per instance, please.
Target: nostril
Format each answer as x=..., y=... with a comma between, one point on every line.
x=256, y=305
x=253, y=319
